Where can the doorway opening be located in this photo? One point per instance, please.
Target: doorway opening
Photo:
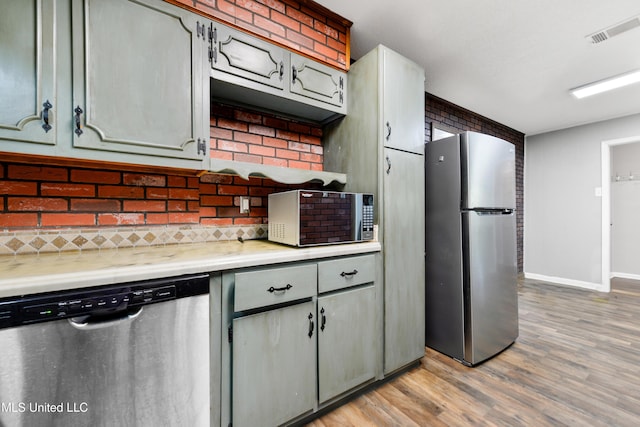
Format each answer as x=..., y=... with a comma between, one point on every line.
x=606, y=206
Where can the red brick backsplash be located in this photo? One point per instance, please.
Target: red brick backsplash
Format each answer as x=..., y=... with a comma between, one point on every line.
x=248, y=136
x=36, y=197
x=300, y=25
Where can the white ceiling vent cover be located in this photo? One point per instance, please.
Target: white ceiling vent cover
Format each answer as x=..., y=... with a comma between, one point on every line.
x=614, y=30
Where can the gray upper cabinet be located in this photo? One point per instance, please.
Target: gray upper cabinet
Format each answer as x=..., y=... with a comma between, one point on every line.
x=403, y=112
x=139, y=80
x=249, y=71
x=311, y=80
x=28, y=101
x=120, y=81
x=242, y=59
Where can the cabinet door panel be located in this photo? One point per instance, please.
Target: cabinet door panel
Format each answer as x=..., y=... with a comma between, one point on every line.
x=403, y=94
x=404, y=258
x=346, y=343
x=313, y=80
x=138, y=77
x=274, y=366
x=27, y=74
x=247, y=57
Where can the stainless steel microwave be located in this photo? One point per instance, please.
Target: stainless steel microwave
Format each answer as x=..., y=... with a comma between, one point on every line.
x=309, y=218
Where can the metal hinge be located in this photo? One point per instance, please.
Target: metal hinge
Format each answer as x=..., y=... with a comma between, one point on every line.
x=200, y=29
x=202, y=147
x=213, y=44
x=230, y=333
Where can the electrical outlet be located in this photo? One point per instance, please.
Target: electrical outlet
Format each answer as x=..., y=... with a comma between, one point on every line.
x=244, y=204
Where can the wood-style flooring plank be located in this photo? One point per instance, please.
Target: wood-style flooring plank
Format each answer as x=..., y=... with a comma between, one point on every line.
x=575, y=363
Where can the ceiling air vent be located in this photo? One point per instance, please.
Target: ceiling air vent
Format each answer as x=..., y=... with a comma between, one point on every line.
x=614, y=30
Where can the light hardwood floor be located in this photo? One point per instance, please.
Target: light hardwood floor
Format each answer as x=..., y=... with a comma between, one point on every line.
x=575, y=363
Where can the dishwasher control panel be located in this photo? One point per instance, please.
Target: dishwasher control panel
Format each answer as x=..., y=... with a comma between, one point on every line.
x=99, y=301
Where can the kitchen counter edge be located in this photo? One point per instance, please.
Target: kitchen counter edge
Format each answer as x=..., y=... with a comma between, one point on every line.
x=31, y=274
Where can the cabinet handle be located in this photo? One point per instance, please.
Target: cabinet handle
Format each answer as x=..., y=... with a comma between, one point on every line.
x=282, y=289
x=294, y=74
x=78, y=112
x=45, y=115
x=324, y=319
x=349, y=274
x=310, y=325
x=388, y=165
x=281, y=70
x=388, y=131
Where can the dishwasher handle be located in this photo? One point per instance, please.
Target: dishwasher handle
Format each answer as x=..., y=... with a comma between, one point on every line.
x=88, y=323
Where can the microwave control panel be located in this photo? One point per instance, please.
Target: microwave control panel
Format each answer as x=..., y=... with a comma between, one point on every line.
x=367, y=217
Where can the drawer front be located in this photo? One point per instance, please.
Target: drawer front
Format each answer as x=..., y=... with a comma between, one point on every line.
x=345, y=272
x=261, y=288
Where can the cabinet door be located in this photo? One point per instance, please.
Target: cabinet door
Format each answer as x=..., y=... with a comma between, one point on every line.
x=27, y=74
x=346, y=341
x=274, y=366
x=314, y=81
x=403, y=111
x=403, y=249
x=138, y=79
x=247, y=61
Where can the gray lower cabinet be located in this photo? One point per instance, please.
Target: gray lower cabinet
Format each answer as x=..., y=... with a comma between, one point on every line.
x=300, y=337
x=118, y=81
x=346, y=341
x=248, y=70
x=28, y=105
x=274, y=365
x=404, y=273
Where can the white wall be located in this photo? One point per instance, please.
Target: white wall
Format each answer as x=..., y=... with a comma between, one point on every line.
x=562, y=213
x=625, y=211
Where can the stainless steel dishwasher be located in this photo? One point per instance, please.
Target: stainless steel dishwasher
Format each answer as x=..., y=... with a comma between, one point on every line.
x=134, y=354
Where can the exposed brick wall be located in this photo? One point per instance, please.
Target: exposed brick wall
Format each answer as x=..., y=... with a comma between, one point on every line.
x=300, y=25
x=247, y=136
x=40, y=196
x=453, y=117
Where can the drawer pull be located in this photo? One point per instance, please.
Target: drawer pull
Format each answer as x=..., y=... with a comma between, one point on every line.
x=351, y=273
x=282, y=289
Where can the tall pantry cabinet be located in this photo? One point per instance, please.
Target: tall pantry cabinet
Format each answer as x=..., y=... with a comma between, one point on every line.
x=380, y=145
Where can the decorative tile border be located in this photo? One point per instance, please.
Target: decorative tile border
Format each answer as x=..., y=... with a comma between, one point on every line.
x=41, y=241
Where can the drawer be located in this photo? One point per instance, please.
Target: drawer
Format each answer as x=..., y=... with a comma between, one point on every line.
x=260, y=288
x=346, y=272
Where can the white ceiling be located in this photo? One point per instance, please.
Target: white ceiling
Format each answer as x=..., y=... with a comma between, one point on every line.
x=511, y=61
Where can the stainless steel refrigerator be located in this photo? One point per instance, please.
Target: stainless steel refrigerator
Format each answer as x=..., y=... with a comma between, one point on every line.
x=471, y=265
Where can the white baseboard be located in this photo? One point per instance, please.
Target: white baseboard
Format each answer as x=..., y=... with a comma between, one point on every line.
x=564, y=281
x=625, y=276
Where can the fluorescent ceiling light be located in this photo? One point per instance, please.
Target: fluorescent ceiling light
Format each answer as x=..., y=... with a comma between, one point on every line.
x=606, y=84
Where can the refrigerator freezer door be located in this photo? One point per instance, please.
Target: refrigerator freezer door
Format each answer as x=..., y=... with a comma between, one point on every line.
x=490, y=288
x=488, y=172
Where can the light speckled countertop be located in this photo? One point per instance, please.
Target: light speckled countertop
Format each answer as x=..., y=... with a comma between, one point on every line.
x=29, y=274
